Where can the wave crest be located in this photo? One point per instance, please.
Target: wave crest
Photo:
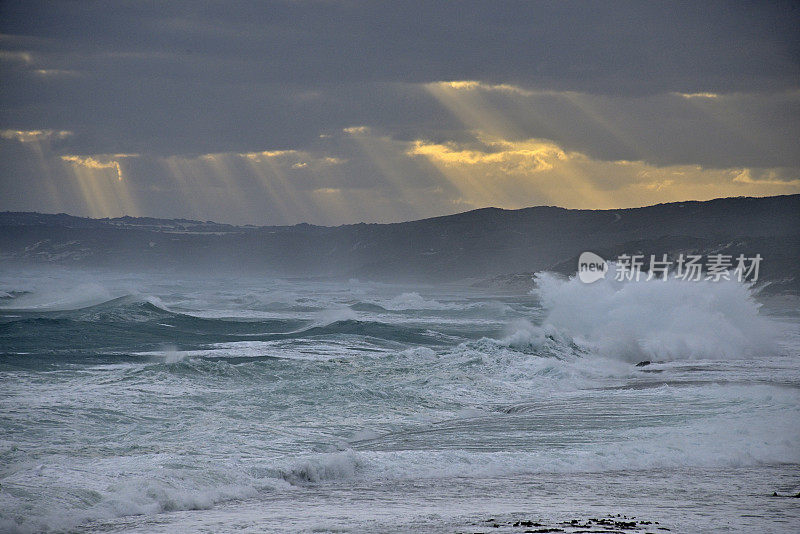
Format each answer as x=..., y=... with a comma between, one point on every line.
x=652, y=320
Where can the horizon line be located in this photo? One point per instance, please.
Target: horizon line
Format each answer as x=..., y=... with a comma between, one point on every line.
x=250, y=225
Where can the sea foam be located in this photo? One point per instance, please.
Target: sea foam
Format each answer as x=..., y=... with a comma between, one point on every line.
x=654, y=320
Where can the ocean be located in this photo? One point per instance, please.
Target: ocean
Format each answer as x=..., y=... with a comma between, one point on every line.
x=165, y=403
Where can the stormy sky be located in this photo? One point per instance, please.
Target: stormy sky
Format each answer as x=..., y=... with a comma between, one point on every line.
x=335, y=112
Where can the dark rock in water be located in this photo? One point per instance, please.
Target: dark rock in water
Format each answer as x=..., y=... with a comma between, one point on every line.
x=776, y=494
x=618, y=524
x=643, y=364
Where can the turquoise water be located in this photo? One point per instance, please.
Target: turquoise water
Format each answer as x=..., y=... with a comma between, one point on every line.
x=158, y=403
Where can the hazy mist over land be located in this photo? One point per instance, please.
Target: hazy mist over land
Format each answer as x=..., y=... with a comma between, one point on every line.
x=472, y=245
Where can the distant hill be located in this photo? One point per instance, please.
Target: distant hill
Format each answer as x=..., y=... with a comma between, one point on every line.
x=479, y=244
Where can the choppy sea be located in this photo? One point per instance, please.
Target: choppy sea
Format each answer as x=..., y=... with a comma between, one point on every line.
x=160, y=403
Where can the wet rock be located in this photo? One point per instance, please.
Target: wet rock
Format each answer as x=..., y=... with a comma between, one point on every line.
x=776, y=494
x=611, y=524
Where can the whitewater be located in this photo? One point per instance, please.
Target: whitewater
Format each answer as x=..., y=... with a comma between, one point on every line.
x=161, y=403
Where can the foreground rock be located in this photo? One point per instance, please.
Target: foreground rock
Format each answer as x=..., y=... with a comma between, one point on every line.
x=611, y=524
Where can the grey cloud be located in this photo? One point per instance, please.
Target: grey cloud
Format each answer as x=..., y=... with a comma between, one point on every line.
x=631, y=46
x=191, y=78
x=204, y=76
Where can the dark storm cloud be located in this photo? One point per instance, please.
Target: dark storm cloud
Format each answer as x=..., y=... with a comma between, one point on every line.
x=205, y=76
x=180, y=95
x=578, y=46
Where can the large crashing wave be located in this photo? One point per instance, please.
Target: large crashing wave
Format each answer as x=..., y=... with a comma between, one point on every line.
x=654, y=320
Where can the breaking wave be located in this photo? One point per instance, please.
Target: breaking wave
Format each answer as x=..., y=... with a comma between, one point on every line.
x=650, y=320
